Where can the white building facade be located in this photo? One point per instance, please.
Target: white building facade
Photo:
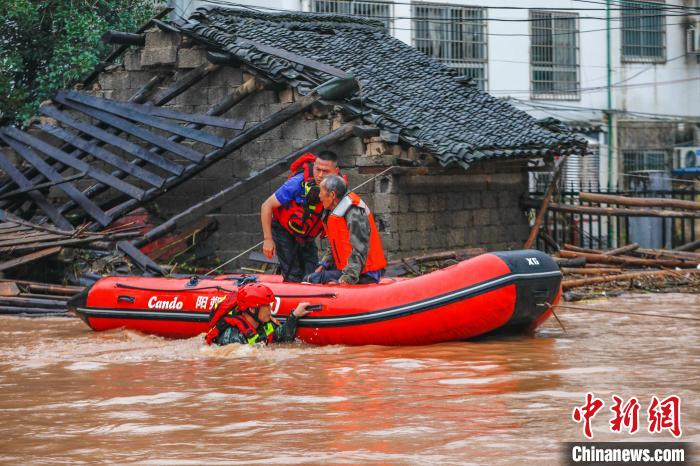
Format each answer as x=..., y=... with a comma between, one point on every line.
x=630, y=69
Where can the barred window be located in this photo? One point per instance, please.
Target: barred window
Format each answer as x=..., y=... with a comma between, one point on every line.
x=380, y=10
x=554, y=63
x=643, y=31
x=644, y=160
x=454, y=35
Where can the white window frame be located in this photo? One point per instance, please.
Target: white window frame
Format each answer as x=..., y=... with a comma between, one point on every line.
x=358, y=8
x=447, y=50
x=631, y=39
x=560, y=89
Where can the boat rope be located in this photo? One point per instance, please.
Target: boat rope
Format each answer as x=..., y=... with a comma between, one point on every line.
x=261, y=242
x=140, y=288
x=233, y=259
x=561, y=324
x=373, y=178
x=645, y=314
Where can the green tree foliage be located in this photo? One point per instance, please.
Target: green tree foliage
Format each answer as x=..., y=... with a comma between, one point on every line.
x=46, y=45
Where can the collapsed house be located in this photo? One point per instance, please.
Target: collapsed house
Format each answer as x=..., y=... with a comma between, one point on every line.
x=202, y=117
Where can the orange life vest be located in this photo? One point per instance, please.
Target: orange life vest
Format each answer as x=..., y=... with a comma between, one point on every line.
x=339, y=235
x=302, y=220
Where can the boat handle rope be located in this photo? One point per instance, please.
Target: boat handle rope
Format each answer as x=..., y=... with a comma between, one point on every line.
x=157, y=290
x=139, y=288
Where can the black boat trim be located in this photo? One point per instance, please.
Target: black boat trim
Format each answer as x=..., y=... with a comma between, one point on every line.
x=336, y=321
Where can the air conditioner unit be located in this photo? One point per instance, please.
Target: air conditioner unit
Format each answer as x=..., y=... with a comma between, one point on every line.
x=693, y=38
x=686, y=157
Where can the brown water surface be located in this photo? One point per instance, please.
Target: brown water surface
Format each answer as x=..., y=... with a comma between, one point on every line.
x=70, y=395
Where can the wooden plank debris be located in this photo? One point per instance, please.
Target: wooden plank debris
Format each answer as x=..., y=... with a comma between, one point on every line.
x=639, y=201
x=34, y=256
x=45, y=169
x=41, y=186
x=103, y=154
x=109, y=138
x=66, y=159
x=612, y=211
x=130, y=112
x=188, y=80
x=133, y=130
x=240, y=187
x=35, y=196
x=545, y=204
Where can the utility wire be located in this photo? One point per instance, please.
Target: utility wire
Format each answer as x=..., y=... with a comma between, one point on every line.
x=450, y=21
x=557, y=107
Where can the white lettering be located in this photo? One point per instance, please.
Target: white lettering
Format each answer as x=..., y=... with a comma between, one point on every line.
x=532, y=261
x=576, y=454
x=215, y=300
x=275, y=305
x=174, y=304
x=201, y=302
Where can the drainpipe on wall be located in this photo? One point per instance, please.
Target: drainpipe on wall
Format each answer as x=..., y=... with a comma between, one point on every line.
x=609, y=110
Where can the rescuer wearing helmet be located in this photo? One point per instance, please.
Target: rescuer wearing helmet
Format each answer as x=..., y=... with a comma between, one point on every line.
x=354, y=253
x=291, y=216
x=245, y=317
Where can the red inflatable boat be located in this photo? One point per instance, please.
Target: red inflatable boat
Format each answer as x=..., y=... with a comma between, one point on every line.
x=504, y=292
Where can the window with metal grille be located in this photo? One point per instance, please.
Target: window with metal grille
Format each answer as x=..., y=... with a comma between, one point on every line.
x=380, y=10
x=454, y=35
x=554, y=63
x=643, y=31
x=644, y=160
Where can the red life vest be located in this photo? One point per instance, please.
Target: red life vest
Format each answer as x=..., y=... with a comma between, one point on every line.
x=339, y=235
x=302, y=220
x=226, y=314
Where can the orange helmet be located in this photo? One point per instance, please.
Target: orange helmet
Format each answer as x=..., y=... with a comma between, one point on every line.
x=254, y=295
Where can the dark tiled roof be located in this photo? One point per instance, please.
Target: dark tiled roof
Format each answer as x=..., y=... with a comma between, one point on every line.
x=402, y=90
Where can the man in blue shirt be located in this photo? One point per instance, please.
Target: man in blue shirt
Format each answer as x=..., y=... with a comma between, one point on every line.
x=291, y=217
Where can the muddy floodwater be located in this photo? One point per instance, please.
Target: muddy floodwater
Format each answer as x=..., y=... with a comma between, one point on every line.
x=70, y=395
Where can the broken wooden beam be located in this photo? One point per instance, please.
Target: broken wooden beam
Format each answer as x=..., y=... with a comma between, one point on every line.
x=683, y=255
x=567, y=284
x=45, y=288
x=188, y=80
x=49, y=173
x=218, y=199
x=590, y=271
x=123, y=38
x=612, y=211
x=621, y=250
x=45, y=185
x=29, y=258
x=38, y=198
x=131, y=112
x=331, y=89
x=104, y=155
x=112, y=139
x=626, y=260
x=68, y=160
x=545, y=204
x=690, y=246
x=639, y=201
x=249, y=87
x=131, y=129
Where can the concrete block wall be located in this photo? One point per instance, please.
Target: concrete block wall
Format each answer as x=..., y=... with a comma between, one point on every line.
x=415, y=213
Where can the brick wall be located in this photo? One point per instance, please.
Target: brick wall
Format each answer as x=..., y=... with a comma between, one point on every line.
x=435, y=209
